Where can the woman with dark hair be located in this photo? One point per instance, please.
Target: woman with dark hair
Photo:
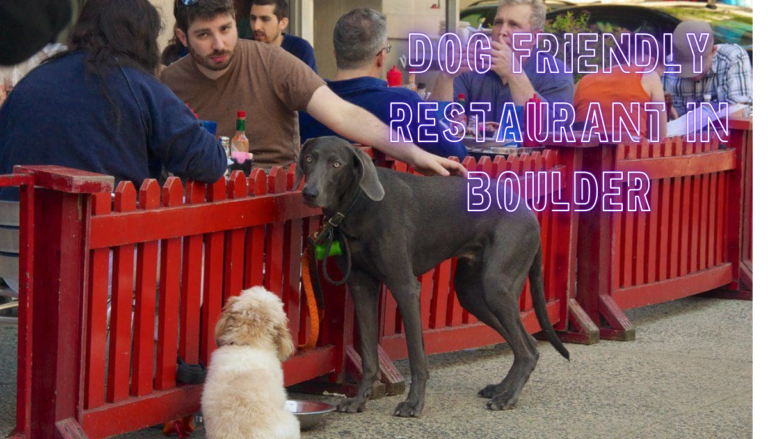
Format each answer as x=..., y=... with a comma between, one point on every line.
x=98, y=106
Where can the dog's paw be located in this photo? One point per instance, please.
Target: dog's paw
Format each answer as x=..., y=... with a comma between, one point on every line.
x=408, y=409
x=501, y=402
x=489, y=391
x=351, y=405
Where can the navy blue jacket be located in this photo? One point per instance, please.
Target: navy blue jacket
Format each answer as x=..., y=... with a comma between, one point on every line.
x=301, y=49
x=57, y=115
x=373, y=95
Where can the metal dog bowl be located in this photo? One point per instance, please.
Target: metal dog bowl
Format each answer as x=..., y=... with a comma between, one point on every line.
x=310, y=413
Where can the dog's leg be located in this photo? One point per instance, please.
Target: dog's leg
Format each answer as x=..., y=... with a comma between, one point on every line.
x=469, y=291
x=503, y=303
x=409, y=303
x=365, y=296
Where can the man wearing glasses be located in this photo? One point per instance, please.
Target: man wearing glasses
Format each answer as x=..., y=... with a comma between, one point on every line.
x=360, y=45
x=223, y=75
x=502, y=84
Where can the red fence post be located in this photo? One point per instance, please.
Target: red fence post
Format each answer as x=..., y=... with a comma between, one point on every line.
x=595, y=253
x=62, y=209
x=739, y=213
x=26, y=182
x=575, y=326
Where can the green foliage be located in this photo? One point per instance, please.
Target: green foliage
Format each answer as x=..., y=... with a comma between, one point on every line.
x=575, y=24
x=689, y=13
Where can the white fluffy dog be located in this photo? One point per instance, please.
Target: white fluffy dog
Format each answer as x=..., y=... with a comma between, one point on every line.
x=244, y=395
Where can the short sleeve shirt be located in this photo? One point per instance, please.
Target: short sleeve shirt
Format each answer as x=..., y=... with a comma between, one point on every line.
x=552, y=86
x=265, y=81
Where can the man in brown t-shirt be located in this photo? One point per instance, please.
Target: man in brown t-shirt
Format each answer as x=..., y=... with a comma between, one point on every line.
x=265, y=82
x=224, y=74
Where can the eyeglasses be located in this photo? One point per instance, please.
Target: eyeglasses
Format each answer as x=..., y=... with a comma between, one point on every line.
x=388, y=48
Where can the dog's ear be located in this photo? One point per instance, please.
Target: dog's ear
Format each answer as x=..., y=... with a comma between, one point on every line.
x=299, y=170
x=224, y=326
x=283, y=340
x=369, y=182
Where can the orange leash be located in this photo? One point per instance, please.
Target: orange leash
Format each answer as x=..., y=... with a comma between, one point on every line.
x=314, y=315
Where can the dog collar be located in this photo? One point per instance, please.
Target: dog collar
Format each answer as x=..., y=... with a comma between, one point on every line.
x=335, y=221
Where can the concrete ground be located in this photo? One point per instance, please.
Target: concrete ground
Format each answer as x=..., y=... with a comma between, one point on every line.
x=687, y=375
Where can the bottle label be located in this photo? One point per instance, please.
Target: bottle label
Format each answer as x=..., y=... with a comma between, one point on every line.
x=240, y=125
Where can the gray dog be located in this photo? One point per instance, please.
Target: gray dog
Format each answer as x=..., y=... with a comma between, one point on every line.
x=400, y=226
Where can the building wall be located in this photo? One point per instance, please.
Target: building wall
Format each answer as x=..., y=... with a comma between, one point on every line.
x=165, y=8
x=326, y=13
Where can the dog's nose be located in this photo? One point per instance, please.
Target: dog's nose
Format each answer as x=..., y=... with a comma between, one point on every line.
x=310, y=193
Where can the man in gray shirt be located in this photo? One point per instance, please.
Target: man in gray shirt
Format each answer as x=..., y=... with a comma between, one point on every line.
x=501, y=84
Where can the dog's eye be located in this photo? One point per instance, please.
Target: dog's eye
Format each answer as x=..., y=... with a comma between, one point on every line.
x=336, y=164
x=309, y=159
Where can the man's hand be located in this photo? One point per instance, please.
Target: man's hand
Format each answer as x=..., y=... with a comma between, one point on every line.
x=502, y=60
x=430, y=164
x=359, y=125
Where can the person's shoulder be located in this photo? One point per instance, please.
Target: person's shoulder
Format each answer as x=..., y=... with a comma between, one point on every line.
x=731, y=52
x=400, y=93
x=252, y=47
x=180, y=70
x=475, y=77
x=58, y=69
x=252, y=50
x=559, y=70
x=146, y=84
x=137, y=75
x=297, y=42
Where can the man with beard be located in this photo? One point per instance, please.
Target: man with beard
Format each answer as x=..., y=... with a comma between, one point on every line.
x=224, y=75
x=268, y=19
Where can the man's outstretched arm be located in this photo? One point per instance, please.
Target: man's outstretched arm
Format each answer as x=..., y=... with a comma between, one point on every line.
x=359, y=125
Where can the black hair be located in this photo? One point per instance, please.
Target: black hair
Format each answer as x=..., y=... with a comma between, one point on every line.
x=115, y=34
x=281, y=7
x=205, y=9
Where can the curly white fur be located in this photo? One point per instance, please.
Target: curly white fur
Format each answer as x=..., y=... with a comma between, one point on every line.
x=244, y=395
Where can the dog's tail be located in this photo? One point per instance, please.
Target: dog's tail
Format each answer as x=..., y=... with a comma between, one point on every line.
x=540, y=304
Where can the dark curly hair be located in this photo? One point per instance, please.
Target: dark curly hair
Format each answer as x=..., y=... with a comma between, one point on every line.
x=116, y=34
x=122, y=33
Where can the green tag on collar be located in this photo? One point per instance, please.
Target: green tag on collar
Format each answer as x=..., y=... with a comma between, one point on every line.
x=320, y=250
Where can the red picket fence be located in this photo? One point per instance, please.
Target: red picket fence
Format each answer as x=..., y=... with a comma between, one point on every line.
x=87, y=372
x=98, y=377
x=124, y=287
x=688, y=243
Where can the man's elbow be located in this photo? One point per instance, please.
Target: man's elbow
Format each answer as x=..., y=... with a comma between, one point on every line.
x=210, y=170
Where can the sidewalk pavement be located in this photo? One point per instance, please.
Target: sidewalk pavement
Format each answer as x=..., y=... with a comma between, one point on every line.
x=687, y=375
